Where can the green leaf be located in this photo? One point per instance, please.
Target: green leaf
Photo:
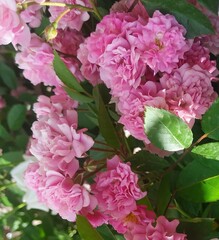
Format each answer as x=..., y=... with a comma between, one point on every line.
x=210, y=121
x=208, y=150
x=188, y=15
x=8, y=76
x=106, y=126
x=78, y=96
x=105, y=232
x=164, y=195
x=4, y=134
x=65, y=74
x=166, y=131
x=86, y=231
x=199, y=180
x=145, y=161
x=212, y=5
x=16, y=117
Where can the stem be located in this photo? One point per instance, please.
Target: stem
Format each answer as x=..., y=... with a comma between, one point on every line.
x=95, y=10
x=70, y=6
x=102, y=143
x=102, y=150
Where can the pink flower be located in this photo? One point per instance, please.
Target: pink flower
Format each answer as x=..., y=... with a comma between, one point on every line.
x=58, y=104
x=189, y=92
x=65, y=197
x=67, y=41
x=117, y=189
x=134, y=224
x=58, y=192
x=74, y=19
x=36, y=61
x=32, y=14
x=89, y=70
x=12, y=28
x=164, y=230
x=132, y=107
x=138, y=11
x=56, y=141
x=34, y=176
x=164, y=41
x=199, y=55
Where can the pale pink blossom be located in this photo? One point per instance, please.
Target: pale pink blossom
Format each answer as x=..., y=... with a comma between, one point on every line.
x=117, y=189
x=89, y=70
x=188, y=92
x=67, y=41
x=59, y=104
x=133, y=225
x=59, y=193
x=63, y=196
x=164, y=42
x=31, y=14
x=74, y=19
x=164, y=230
x=36, y=61
x=12, y=28
x=56, y=141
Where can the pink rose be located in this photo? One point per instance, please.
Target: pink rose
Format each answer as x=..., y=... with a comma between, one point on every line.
x=189, y=92
x=12, y=28
x=117, y=190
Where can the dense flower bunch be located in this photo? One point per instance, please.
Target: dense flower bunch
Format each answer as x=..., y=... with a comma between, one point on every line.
x=144, y=61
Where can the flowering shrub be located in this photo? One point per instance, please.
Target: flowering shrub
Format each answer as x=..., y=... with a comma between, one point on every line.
x=109, y=119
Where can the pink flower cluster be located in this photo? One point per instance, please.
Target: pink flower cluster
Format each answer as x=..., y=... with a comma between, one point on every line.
x=37, y=59
x=58, y=145
x=73, y=19
x=148, y=62
x=117, y=191
x=12, y=28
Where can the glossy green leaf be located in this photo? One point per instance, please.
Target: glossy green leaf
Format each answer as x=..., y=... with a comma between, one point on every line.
x=65, y=74
x=164, y=195
x=80, y=97
x=212, y=5
x=8, y=76
x=210, y=121
x=208, y=150
x=199, y=180
x=166, y=131
x=195, y=22
x=4, y=134
x=105, y=232
x=85, y=229
x=16, y=117
x=106, y=126
x=145, y=161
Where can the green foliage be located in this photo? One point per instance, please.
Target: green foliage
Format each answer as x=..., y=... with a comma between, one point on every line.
x=86, y=231
x=166, y=131
x=210, y=121
x=195, y=22
x=8, y=76
x=212, y=5
x=16, y=117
